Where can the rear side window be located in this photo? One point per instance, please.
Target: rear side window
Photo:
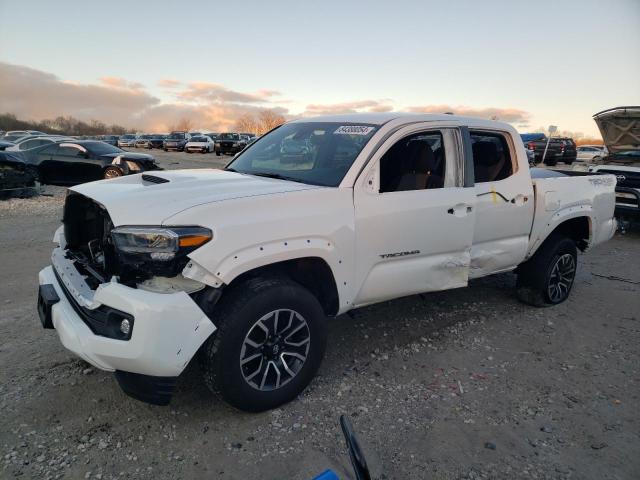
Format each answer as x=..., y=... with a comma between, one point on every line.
x=491, y=157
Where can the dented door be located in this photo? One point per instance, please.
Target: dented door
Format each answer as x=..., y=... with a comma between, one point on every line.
x=412, y=241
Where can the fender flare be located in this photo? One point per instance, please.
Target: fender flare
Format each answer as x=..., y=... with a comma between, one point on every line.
x=560, y=217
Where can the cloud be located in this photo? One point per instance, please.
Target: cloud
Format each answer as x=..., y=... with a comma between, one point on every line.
x=35, y=95
x=512, y=115
x=119, y=82
x=348, y=107
x=202, y=92
x=169, y=83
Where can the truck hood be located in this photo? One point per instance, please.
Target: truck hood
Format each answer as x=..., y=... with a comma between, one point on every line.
x=149, y=199
x=620, y=128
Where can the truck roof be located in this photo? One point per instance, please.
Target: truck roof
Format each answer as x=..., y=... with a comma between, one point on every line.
x=385, y=117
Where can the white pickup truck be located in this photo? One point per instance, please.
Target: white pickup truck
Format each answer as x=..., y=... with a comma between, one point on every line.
x=317, y=217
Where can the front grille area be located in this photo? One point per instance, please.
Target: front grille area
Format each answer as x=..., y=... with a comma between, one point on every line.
x=87, y=229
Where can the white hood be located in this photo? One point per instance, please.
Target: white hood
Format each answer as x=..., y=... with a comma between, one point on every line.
x=130, y=200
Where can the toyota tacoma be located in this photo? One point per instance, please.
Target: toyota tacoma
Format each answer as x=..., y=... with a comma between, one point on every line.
x=241, y=267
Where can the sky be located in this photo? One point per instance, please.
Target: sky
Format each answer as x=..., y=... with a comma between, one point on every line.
x=146, y=64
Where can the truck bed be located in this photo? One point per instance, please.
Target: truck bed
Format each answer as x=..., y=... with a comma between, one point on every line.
x=560, y=196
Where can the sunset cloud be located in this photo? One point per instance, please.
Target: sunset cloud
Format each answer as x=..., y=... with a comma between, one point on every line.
x=348, y=107
x=118, y=82
x=511, y=115
x=201, y=92
x=35, y=95
x=169, y=83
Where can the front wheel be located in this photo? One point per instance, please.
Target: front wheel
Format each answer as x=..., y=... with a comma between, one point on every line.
x=218, y=154
x=547, y=277
x=111, y=172
x=269, y=344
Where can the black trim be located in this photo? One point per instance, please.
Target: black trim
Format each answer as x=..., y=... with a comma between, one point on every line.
x=47, y=297
x=103, y=320
x=147, y=388
x=469, y=171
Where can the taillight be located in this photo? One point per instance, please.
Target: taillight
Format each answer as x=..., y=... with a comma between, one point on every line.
x=530, y=146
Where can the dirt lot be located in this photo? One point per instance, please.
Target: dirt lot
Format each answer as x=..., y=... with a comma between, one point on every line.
x=468, y=383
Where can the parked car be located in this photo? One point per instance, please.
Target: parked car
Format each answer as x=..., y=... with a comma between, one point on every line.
x=128, y=140
x=200, y=144
x=156, y=141
x=176, y=141
x=253, y=258
x=537, y=143
x=213, y=136
x=4, y=145
x=73, y=162
x=229, y=144
x=29, y=142
x=17, y=178
x=590, y=153
x=21, y=133
x=144, y=141
x=111, y=139
x=620, y=129
x=567, y=148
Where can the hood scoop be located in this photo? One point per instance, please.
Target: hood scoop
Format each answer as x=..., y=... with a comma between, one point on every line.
x=154, y=179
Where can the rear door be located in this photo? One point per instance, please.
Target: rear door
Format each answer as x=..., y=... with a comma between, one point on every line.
x=504, y=203
x=414, y=217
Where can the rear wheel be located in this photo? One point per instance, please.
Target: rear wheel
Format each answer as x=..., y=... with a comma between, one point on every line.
x=547, y=277
x=269, y=344
x=218, y=154
x=112, y=172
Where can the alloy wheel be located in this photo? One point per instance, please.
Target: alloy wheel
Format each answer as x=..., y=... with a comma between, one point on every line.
x=561, y=278
x=275, y=349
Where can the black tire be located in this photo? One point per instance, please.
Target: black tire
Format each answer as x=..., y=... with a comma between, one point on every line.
x=550, y=163
x=554, y=262
x=218, y=154
x=112, y=172
x=236, y=316
x=166, y=149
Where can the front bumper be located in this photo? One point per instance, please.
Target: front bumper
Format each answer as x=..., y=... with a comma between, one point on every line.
x=168, y=329
x=628, y=201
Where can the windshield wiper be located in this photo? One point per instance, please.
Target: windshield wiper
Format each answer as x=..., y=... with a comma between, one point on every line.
x=276, y=176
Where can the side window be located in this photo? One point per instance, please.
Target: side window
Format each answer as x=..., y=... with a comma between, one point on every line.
x=52, y=150
x=491, y=157
x=416, y=162
x=68, y=151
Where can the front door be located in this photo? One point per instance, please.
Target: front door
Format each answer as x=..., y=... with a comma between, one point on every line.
x=414, y=219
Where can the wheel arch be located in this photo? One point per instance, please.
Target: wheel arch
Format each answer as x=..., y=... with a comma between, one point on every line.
x=312, y=272
x=576, y=225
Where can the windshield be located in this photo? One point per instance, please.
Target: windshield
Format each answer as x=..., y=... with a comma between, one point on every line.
x=198, y=139
x=176, y=136
x=228, y=136
x=315, y=153
x=101, y=148
x=128, y=137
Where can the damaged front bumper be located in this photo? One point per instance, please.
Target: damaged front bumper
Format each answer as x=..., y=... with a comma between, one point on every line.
x=167, y=329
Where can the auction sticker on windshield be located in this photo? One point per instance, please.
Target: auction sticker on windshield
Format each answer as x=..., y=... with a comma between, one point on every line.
x=354, y=130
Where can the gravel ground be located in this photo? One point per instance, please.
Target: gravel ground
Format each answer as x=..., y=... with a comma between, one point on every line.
x=468, y=383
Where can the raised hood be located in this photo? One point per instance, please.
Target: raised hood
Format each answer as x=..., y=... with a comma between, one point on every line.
x=150, y=198
x=620, y=128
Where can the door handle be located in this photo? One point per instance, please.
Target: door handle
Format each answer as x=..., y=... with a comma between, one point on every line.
x=460, y=210
x=519, y=199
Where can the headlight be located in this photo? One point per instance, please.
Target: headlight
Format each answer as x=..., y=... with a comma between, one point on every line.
x=159, y=243
x=235, y=144
x=133, y=166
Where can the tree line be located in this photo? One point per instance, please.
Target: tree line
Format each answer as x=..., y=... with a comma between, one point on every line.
x=62, y=125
